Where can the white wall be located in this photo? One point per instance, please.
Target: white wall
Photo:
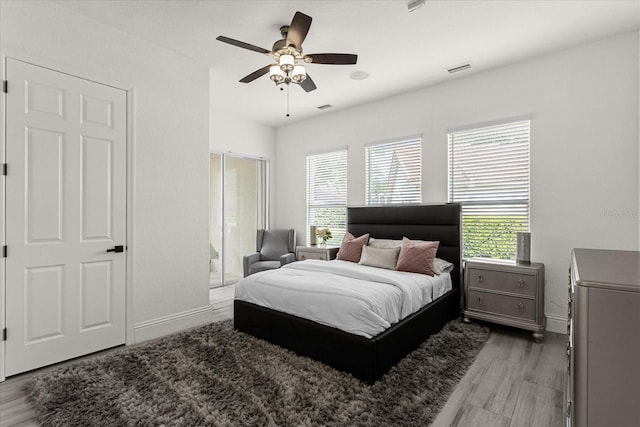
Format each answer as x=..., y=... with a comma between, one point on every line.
x=232, y=134
x=584, y=107
x=169, y=146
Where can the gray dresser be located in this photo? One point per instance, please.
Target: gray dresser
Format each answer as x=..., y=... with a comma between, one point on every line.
x=507, y=293
x=603, y=381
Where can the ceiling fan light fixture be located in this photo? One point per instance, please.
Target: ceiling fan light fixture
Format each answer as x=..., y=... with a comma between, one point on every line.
x=287, y=62
x=276, y=74
x=299, y=74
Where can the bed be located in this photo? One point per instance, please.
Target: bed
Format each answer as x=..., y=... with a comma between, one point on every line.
x=369, y=358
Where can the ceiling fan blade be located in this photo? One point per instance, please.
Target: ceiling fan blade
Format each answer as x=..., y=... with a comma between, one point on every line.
x=242, y=44
x=307, y=84
x=333, y=58
x=258, y=73
x=298, y=29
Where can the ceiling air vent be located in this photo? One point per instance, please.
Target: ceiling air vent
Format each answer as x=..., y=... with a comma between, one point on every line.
x=325, y=107
x=459, y=68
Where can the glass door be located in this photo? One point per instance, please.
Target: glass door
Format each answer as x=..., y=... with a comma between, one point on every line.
x=237, y=209
x=215, y=220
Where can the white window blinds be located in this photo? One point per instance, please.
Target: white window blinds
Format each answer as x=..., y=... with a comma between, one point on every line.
x=327, y=193
x=393, y=172
x=489, y=175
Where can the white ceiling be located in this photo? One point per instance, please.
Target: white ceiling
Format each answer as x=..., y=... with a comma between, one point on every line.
x=401, y=51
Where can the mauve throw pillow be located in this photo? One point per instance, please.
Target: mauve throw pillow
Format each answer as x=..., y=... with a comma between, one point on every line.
x=417, y=257
x=351, y=248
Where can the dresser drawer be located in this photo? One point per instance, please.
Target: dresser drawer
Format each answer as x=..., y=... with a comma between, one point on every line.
x=302, y=255
x=515, y=283
x=522, y=308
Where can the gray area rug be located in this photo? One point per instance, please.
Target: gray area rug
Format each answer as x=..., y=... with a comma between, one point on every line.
x=216, y=376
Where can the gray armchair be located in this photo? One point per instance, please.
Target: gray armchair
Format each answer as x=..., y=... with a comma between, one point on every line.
x=274, y=248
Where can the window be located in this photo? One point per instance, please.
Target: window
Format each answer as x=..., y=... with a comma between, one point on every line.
x=393, y=172
x=327, y=193
x=489, y=175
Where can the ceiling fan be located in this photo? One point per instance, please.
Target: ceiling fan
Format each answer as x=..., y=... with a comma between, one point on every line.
x=288, y=56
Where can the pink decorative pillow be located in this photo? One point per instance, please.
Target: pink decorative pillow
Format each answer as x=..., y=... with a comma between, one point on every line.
x=351, y=248
x=417, y=257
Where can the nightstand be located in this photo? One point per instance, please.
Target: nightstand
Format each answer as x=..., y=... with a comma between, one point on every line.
x=507, y=293
x=316, y=252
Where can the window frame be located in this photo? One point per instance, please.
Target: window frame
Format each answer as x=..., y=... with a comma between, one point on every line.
x=517, y=207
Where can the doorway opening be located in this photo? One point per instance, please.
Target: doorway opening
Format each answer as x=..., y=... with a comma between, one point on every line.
x=237, y=209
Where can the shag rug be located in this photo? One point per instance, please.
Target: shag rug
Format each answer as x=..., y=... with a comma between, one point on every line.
x=216, y=376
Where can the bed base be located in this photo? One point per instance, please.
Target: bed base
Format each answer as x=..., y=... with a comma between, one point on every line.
x=367, y=359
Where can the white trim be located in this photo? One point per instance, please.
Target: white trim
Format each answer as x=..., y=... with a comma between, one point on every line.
x=238, y=155
x=172, y=323
x=556, y=323
x=3, y=206
x=489, y=123
x=327, y=150
x=131, y=201
x=415, y=137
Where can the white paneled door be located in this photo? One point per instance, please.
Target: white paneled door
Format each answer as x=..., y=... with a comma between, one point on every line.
x=65, y=217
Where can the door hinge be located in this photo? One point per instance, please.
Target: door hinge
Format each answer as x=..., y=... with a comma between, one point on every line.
x=4, y=251
x=4, y=169
x=4, y=334
x=4, y=86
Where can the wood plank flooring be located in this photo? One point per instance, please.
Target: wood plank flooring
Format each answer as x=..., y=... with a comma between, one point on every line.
x=513, y=381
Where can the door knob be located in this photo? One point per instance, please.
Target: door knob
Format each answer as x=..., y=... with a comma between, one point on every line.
x=119, y=248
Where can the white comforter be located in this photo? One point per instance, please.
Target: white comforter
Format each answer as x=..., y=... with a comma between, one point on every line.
x=357, y=299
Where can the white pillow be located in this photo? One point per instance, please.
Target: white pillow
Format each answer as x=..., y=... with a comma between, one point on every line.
x=384, y=243
x=440, y=266
x=379, y=257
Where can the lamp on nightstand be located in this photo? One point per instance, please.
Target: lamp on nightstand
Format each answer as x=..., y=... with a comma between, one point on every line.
x=523, y=247
x=313, y=237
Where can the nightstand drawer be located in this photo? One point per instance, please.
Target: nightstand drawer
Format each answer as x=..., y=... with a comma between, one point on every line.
x=302, y=255
x=523, y=308
x=515, y=283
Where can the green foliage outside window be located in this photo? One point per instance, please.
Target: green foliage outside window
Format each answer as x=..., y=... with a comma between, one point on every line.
x=491, y=236
x=333, y=218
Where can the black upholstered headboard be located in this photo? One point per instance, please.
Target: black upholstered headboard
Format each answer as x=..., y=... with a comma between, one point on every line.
x=416, y=222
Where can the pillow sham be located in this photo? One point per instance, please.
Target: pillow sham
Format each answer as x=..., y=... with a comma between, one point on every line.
x=379, y=257
x=441, y=266
x=417, y=257
x=351, y=247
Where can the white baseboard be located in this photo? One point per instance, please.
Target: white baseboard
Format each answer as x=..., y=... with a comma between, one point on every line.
x=165, y=325
x=556, y=324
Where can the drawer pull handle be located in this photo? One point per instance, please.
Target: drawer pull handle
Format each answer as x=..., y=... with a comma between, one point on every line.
x=521, y=307
x=521, y=283
x=480, y=279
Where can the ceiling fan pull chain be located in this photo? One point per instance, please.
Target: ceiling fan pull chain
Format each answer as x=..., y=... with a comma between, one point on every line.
x=287, y=100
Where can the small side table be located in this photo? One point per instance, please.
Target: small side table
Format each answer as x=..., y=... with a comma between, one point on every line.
x=507, y=293
x=325, y=253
